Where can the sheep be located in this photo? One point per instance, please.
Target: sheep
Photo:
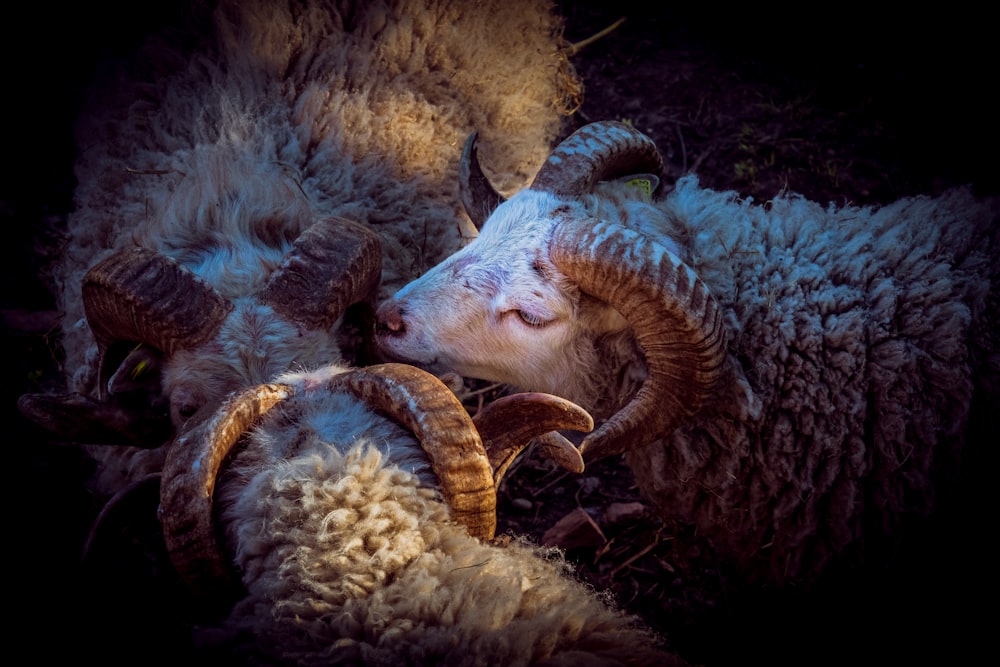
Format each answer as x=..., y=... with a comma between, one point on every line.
x=795, y=381
x=218, y=175
x=348, y=515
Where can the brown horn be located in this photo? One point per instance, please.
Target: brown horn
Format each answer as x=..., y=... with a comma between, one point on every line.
x=414, y=398
x=478, y=195
x=142, y=296
x=423, y=404
x=508, y=424
x=334, y=263
x=560, y=450
x=676, y=321
x=192, y=467
x=598, y=151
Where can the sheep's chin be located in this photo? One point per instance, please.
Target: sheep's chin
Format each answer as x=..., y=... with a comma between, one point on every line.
x=390, y=349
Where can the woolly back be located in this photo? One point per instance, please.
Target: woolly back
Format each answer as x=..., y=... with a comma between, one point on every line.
x=861, y=338
x=348, y=559
x=238, y=129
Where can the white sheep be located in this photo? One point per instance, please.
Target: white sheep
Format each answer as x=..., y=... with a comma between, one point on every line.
x=795, y=380
x=218, y=173
x=317, y=503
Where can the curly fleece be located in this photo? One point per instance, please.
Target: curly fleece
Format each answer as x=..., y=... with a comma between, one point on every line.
x=218, y=143
x=349, y=557
x=860, y=339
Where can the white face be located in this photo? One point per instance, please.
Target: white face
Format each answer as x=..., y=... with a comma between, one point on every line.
x=496, y=310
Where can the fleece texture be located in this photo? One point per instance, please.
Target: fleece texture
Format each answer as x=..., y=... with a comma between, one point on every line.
x=350, y=556
x=222, y=140
x=860, y=339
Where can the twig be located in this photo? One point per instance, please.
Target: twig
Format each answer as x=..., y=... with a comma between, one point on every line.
x=483, y=390
x=562, y=475
x=575, y=48
x=642, y=552
x=684, y=155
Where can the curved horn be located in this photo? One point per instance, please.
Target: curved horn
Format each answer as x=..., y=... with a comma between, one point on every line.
x=414, y=398
x=193, y=463
x=478, y=195
x=675, y=319
x=333, y=264
x=598, y=151
x=508, y=424
x=140, y=295
x=422, y=403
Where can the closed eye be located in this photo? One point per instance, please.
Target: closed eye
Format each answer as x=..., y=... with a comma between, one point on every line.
x=530, y=319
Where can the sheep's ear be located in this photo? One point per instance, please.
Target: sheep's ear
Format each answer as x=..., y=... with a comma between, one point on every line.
x=139, y=372
x=647, y=184
x=80, y=419
x=478, y=195
x=135, y=413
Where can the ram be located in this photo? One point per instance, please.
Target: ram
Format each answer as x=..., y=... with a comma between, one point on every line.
x=227, y=168
x=347, y=516
x=796, y=381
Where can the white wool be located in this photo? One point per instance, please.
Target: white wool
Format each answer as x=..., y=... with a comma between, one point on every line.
x=349, y=557
x=854, y=355
x=220, y=142
x=858, y=341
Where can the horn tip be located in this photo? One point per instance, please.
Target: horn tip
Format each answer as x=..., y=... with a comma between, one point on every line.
x=596, y=447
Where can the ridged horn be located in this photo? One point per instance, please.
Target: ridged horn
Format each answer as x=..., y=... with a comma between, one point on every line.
x=478, y=195
x=422, y=403
x=142, y=296
x=415, y=399
x=334, y=263
x=194, y=461
x=675, y=319
x=598, y=151
x=508, y=424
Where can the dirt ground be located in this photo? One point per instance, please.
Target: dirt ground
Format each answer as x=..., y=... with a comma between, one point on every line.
x=837, y=105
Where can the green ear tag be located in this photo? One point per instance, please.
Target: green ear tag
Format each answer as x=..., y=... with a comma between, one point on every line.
x=139, y=369
x=643, y=182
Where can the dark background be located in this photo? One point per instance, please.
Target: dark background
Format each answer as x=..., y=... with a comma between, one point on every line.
x=836, y=103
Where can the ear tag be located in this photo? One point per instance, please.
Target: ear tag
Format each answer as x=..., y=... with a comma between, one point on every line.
x=140, y=367
x=646, y=183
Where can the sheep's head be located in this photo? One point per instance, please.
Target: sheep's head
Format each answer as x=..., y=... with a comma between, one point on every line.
x=468, y=455
x=546, y=274
x=161, y=332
